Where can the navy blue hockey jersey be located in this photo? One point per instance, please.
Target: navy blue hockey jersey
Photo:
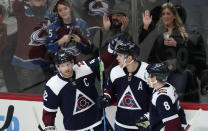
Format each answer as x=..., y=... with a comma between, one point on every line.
x=132, y=94
x=76, y=97
x=165, y=107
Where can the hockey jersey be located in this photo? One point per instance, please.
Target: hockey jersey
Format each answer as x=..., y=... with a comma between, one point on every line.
x=132, y=94
x=76, y=97
x=26, y=56
x=165, y=107
x=79, y=28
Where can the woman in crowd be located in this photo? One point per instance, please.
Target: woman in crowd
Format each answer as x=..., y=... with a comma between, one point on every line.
x=174, y=46
x=68, y=32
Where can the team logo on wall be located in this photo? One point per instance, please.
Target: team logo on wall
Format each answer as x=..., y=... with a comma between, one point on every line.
x=82, y=102
x=128, y=100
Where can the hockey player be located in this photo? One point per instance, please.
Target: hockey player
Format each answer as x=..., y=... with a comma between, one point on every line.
x=165, y=112
x=127, y=84
x=73, y=91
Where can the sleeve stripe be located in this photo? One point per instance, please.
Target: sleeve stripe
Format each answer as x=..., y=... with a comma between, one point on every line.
x=107, y=95
x=50, y=110
x=170, y=118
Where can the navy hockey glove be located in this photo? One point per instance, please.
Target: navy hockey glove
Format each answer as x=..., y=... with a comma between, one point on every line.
x=50, y=128
x=143, y=122
x=103, y=101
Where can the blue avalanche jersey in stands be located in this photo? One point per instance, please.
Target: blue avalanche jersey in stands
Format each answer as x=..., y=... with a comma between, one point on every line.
x=165, y=107
x=76, y=97
x=132, y=94
x=79, y=27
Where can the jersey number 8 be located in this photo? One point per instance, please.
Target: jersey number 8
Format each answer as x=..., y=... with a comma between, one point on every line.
x=166, y=105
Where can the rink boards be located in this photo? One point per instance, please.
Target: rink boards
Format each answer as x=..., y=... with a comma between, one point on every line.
x=24, y=117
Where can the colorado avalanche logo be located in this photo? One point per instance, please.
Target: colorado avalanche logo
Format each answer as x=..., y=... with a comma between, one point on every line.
x=128, y=100
x=82, y=102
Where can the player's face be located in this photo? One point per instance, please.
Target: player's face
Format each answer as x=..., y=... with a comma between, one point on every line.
x=66, y=69
x=121, y=59
x=167, y=17
x=64, y=11
x=151, y=81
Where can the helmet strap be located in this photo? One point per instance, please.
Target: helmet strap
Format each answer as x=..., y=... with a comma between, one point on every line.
x=124, y=65
x=151, y=84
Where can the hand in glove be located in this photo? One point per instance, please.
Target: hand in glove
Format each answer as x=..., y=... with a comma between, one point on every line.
x=50, y=128
x=103, y=101
x=143, y=122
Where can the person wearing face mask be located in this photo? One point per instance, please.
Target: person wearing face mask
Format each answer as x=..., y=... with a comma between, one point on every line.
x=165, y=112
x=30, y=65
x=128, y=87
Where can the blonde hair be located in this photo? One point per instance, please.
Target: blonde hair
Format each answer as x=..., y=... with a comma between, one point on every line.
x=177, y=22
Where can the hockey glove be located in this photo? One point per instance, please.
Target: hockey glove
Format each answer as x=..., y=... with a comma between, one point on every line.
x=143, y=122
x=50, y=128
x=103, y=101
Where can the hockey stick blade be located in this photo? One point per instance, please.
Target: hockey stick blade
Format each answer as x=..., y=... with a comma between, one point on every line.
x=40, y=128
x=9, y=116
x=37, y=120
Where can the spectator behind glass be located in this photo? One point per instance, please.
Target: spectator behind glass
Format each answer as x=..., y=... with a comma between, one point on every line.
x=3, y=31
x=8, y=48
x=30, y=66
x=168, y=43
x=3, y=44
x=197, y=18
x=68, y=32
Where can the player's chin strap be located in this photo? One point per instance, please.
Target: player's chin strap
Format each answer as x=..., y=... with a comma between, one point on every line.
x=151, y=84
x=125, y=64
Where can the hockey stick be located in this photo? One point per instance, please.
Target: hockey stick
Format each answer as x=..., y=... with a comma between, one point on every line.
x=9, y=116
x=37, y=120
x=101, y=74
x=193, y=119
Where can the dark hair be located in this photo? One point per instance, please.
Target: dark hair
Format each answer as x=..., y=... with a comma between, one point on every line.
x=55, y=10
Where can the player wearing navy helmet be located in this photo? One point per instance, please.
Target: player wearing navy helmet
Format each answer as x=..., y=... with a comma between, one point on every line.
x=165, y=112
x=127, y=84
x=73, y=91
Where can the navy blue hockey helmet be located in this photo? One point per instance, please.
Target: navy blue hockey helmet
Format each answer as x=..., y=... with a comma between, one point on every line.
x=63, y=56
x=160, y=70
x=128, y=48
